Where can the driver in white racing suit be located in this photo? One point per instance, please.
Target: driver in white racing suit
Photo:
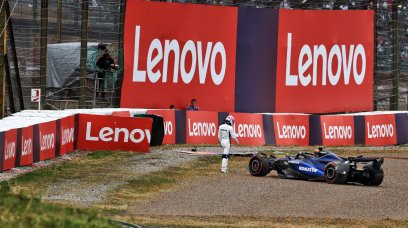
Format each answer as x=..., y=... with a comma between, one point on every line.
x=225, y=133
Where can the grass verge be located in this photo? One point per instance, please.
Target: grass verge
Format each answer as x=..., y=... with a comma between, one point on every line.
x=20, y=210
x=93, y=166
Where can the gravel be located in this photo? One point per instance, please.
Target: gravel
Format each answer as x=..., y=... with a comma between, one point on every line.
x=240, y=194
x=91, y=189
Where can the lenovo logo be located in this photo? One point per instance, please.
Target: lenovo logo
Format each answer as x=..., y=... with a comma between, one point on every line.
x=201, y=129
x=67, y=136
x=337, y=61
x=168, y=128
x=9, y=150
x=380, y=131
x=107, y=134
x=201, y=60
x=291, y=131
x=27, y=146
x=47, y=141
x=249, y=130
x=337, y=132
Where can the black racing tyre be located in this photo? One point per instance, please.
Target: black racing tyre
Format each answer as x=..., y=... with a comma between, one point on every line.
x=259, y=166
x=331, y=175
x=375, y=177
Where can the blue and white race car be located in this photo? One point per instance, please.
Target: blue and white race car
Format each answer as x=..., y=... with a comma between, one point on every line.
x=321, y=165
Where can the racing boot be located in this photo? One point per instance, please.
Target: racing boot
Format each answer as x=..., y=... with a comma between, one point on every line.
x=224, y=163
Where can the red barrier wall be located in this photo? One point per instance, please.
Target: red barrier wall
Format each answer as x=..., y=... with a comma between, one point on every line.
x=169, y=118
x=291, y=129
x=47, y=140
x=97, y=132
x=249, y=128
x=9, y=149
x=173, y=49
x=67, y=130
x=201, y=127
x=27, y=146
x=380, y=130
x=337, y=130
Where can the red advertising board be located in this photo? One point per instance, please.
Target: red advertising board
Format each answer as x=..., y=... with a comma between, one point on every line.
x=98, y=132
x=169, y=119
x=380, y=130
x=9, y=150
x=337, y=130
x=47, y=139
x=249, y=128
x=325, y=61
x=201, y=127
x=27, y=146
x=176, y=52
x=291, y=129
x=67, y=130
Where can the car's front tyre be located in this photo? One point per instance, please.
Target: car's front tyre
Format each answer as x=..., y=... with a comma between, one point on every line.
x=259, y=166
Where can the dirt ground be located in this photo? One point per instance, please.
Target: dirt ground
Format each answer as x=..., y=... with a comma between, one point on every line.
x=238, y=193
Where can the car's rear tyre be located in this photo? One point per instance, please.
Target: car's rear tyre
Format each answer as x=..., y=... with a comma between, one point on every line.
x=375, y=177
x=259, y=166
x=331, y=175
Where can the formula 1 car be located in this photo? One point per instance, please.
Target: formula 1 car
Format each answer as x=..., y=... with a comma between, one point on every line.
x=321, y=165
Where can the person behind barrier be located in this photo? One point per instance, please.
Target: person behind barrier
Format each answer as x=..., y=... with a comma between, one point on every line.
x=105, y=63
x=193, y=106
x=225, y=133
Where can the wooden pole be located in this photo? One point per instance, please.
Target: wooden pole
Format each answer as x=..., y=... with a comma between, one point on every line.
x=15, y=59
x=395, y=58
x=9, y=85
x=2, y=70
x=375, y=52
x=43, y=51
x=59, y=20
x=84, y=50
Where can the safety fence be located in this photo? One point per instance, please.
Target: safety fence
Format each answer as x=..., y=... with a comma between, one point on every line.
x=105, y=25
x=33, y=136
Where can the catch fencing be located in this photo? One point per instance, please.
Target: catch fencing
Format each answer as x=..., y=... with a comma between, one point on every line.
x=105, y=26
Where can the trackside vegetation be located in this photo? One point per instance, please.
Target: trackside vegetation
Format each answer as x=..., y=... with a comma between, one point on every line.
x=23, y=210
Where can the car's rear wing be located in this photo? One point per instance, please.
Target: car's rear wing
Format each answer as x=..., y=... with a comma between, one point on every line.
x=366, y=159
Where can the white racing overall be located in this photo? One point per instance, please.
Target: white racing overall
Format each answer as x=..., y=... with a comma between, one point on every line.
x=225, y=133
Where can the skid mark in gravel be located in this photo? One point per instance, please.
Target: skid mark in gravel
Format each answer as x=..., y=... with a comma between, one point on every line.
x=240, y=194
x=91, y=188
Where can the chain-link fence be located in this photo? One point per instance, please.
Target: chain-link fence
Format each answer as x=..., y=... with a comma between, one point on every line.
x=105, y=22
x=105, y=18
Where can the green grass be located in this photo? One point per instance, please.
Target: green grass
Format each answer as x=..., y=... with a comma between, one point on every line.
x=21, y=210
x=95, y=164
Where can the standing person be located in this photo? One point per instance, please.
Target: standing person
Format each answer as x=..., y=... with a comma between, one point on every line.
x=225, y=133
x=193, y=106
x=105, y=64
